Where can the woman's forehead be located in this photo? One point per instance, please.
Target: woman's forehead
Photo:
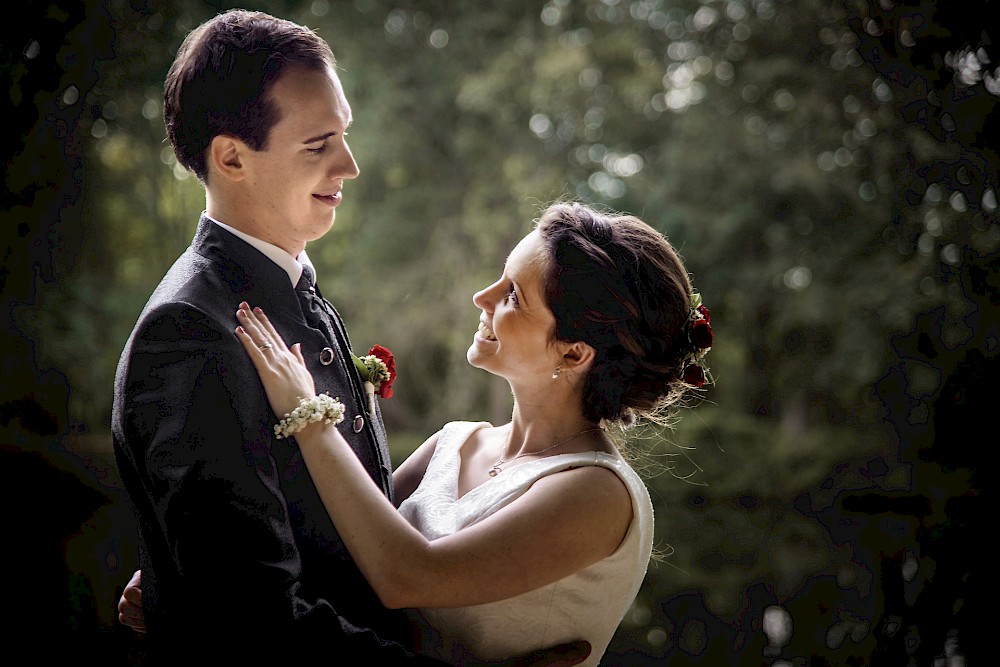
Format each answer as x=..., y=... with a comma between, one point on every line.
x=529, y=251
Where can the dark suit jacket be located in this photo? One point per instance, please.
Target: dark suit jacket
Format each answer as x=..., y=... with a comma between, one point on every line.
x=237, y=553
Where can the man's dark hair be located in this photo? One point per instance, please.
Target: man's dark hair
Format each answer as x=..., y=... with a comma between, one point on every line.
x=221, y=78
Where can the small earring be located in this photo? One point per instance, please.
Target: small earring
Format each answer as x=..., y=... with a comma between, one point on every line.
x=555, y=373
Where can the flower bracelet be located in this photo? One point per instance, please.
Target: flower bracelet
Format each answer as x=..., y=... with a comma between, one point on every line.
x=313, y=409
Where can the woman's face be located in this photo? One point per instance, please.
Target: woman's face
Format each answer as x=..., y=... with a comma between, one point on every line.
x=516, y=326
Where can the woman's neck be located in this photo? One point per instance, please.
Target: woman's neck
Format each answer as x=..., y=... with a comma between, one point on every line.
x=540, y=427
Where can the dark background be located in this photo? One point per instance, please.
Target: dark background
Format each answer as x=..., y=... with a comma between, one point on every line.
x=828, y=170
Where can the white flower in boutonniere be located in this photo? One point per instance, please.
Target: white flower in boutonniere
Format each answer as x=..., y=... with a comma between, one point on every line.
x=378, y=370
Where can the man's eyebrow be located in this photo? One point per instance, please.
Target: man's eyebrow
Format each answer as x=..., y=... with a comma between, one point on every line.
x=326, y=135
x=320, y=137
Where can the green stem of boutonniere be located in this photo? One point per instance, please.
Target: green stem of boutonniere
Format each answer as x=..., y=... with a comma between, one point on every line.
x=370, y=390
x=360, y=365
x=366, y=374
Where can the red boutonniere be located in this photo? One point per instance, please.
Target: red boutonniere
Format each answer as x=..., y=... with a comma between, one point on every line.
x=378, y=370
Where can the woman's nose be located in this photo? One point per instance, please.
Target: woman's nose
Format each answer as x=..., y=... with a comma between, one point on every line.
x=483, y=300
x=478, y=299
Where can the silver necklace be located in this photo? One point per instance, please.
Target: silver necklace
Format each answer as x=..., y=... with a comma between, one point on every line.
x=495, y=469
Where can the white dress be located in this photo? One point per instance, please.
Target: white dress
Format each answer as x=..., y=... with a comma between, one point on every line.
x=586, y=605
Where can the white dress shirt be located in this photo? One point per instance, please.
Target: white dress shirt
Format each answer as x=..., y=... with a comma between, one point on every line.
x=291, y=265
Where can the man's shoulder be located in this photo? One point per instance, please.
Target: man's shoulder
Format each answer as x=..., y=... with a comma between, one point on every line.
x=192, y=277
x=204, y=279
x=189, y=302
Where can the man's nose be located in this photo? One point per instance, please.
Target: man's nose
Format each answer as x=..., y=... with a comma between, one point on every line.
x=345, y=166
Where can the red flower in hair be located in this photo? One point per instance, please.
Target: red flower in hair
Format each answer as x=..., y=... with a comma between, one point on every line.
x=700, y=338
x=701, y=334
x=694, y=375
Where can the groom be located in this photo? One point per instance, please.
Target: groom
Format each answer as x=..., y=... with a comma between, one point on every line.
x=238, y=556
x=240, y=562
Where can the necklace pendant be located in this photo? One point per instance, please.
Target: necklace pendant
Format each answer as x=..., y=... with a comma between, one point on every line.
x=495, y=470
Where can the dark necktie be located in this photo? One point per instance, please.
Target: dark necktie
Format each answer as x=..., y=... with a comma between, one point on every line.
x=307, y=279
x=313, y=305
x=321, y=316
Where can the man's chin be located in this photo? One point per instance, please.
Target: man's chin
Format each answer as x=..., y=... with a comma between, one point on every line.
x=320, y=229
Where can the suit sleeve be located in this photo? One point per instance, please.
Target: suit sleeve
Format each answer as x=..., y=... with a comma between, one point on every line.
x=197, y=423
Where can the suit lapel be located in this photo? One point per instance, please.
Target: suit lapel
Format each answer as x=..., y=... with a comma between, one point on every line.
x=256, y=279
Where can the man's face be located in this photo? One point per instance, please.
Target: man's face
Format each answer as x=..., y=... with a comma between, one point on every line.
x=294, y=182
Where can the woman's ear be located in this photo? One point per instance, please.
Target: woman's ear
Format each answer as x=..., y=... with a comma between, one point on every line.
x=225, y=157
x=577, y=356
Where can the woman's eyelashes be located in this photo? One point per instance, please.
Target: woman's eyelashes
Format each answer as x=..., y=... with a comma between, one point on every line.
x=512, y=294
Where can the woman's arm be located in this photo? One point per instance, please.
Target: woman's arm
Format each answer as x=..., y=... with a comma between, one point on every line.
x=562, y=524
x=130, y=604
x=406, y=478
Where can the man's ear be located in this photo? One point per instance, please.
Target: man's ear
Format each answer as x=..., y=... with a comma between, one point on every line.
x=225, y=157
x=577, y=356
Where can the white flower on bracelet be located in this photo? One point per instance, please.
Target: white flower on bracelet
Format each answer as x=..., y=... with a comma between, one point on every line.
x=313, y=409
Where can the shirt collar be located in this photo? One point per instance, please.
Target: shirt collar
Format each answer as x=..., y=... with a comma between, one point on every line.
x=291, y=265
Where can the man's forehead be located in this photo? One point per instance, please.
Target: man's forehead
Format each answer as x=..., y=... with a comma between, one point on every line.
x=313, y=99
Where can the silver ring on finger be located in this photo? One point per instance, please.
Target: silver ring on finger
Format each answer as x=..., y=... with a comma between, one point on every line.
x=264, y=346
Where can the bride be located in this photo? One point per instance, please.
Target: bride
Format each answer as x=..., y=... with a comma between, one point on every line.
x=537, y=532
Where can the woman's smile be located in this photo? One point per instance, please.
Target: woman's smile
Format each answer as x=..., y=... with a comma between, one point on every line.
x=486, y=333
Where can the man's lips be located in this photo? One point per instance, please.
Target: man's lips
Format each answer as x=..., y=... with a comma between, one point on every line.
x=330, y=200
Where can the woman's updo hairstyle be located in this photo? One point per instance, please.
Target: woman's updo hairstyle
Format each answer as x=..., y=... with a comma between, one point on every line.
x=615, y=283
